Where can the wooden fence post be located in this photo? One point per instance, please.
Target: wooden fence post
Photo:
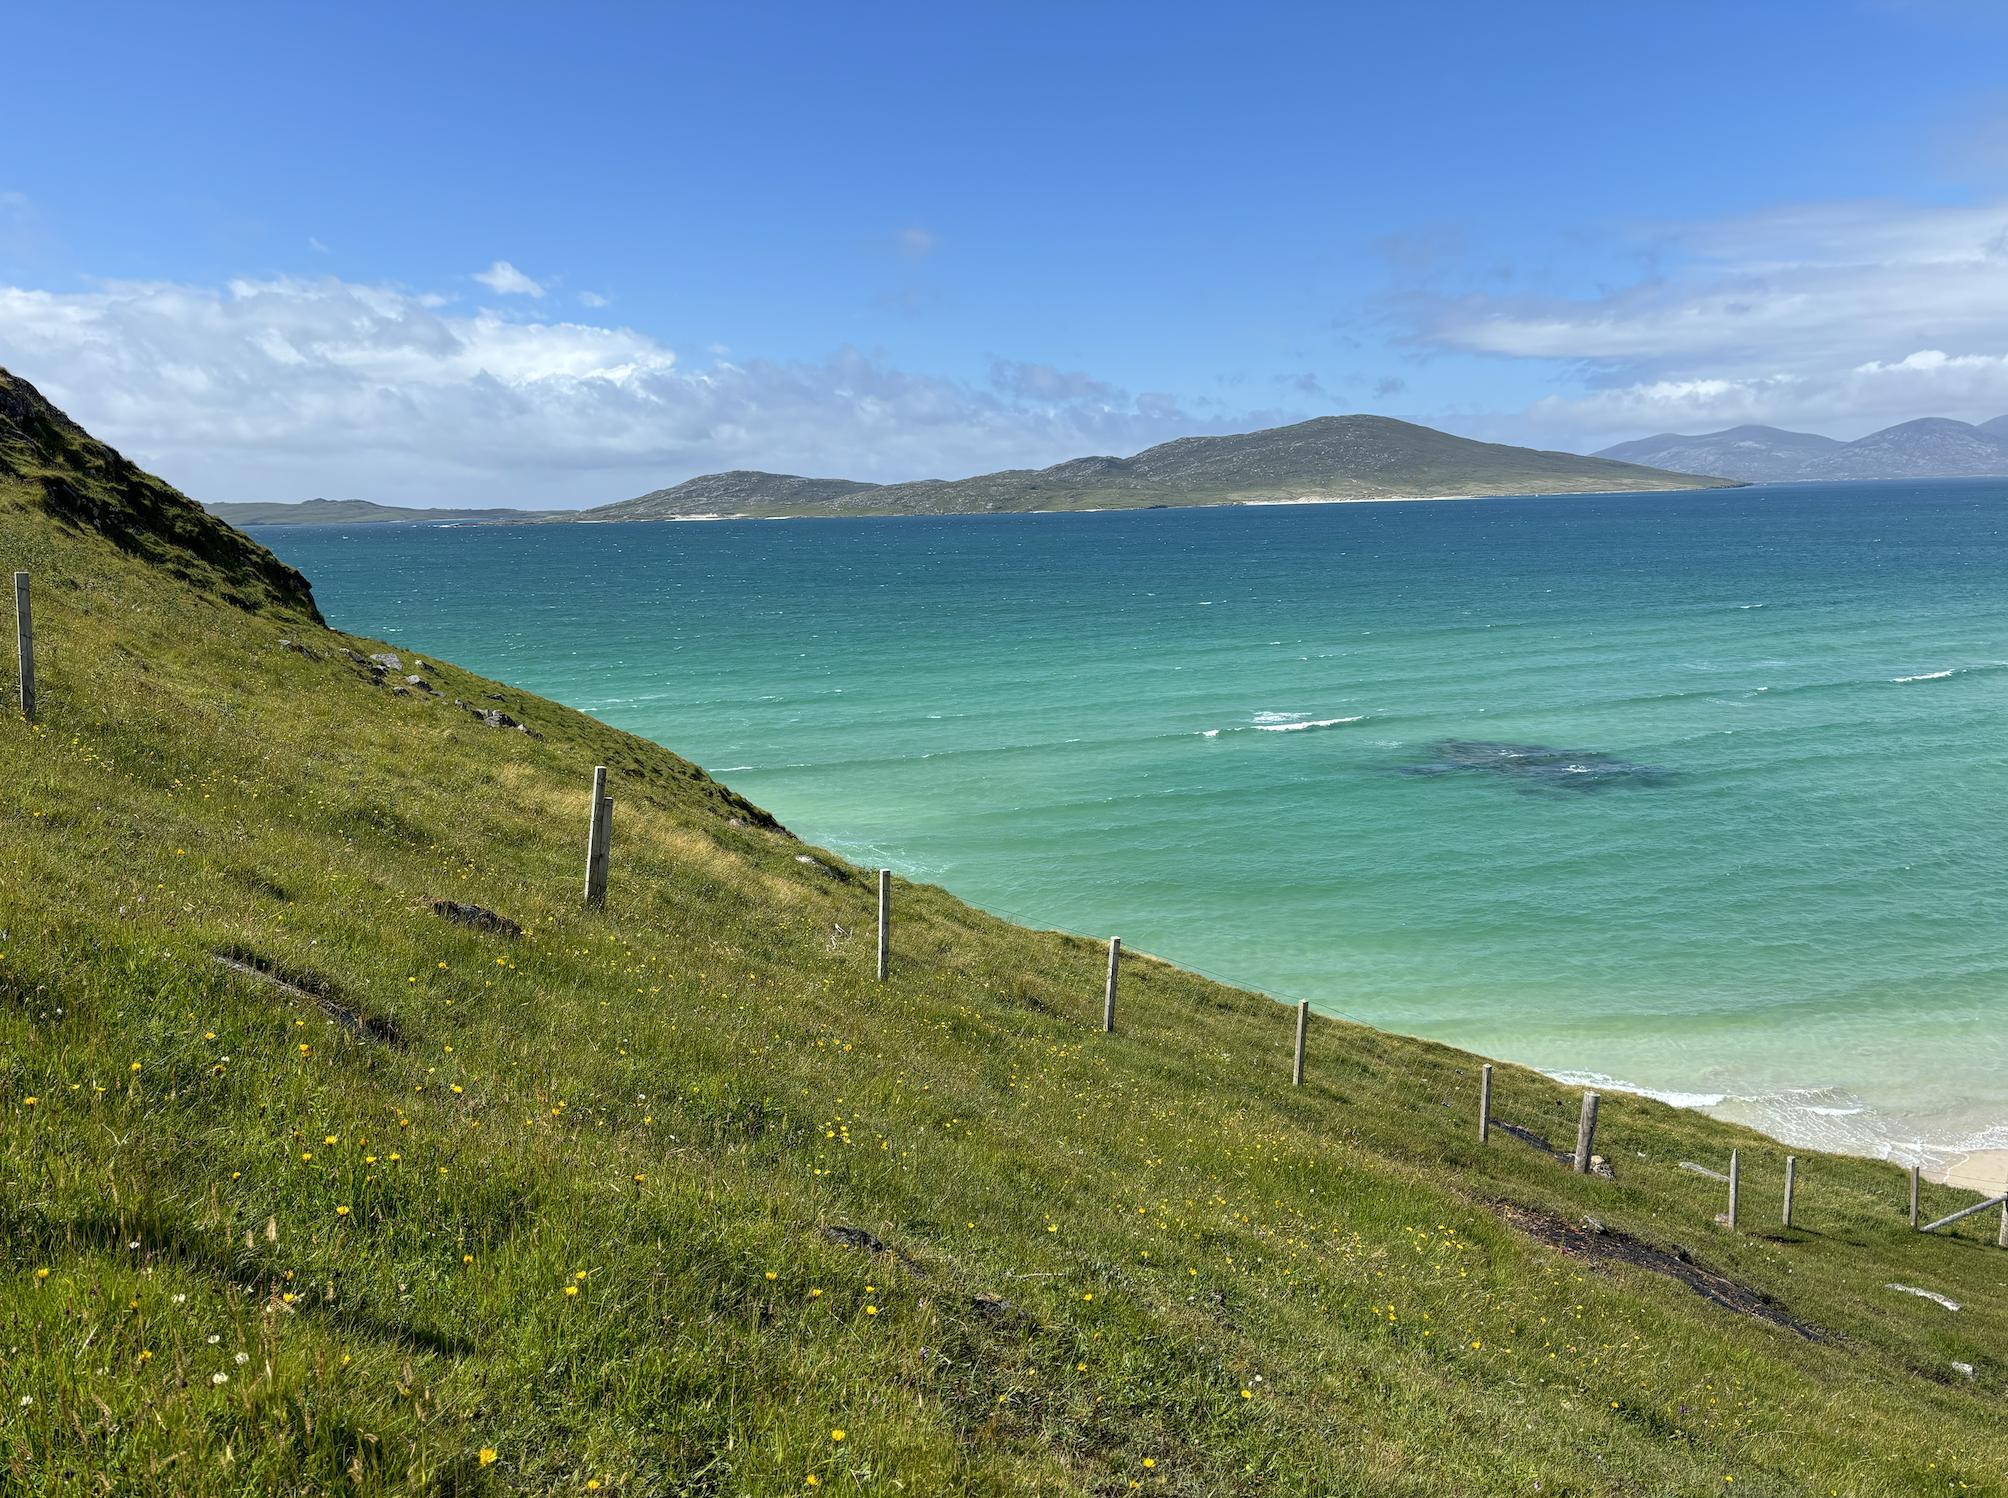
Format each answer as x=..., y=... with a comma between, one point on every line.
x=1303, y=1024
x=885, y=923
x=1913, y=1198
x=1109, y=992
x=598, y=832
x=24, y=644
x=1791, y=1180
x=1485, y=1102
x=1735, y=1186
x=2001, y=1238
x=1586, y=1132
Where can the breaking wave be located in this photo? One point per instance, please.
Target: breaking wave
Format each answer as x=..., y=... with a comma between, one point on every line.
x=1281, y=723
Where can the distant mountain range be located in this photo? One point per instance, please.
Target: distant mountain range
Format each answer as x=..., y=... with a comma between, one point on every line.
x=1934, y=447
x=354, y=512
x=1333, y=457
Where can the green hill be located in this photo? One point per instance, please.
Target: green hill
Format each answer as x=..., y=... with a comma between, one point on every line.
x=355, y=512
x=307, y=1187
x=1334, y=457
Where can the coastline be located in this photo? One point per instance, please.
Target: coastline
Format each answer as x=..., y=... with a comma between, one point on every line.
x=1982, y=1169
x=1226, y=504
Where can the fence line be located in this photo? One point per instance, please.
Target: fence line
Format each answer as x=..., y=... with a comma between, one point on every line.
x=598, y=859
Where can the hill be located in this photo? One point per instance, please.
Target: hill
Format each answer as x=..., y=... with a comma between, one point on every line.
x=1934, y=447
x=1759, y=455
x=357, y=512
x=1333, y=457
x=313, y=1180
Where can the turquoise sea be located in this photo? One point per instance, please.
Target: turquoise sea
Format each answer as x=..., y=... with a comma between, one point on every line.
x=1702, y=793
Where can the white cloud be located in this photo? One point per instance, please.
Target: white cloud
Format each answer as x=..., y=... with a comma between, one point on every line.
x=504, y=279
x=916, y=243
x=316, y=246
x=283, y=389
x=1838, y=317
x=591, y=299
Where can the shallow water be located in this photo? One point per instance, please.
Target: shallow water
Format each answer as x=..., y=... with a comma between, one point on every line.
x=1700, y=792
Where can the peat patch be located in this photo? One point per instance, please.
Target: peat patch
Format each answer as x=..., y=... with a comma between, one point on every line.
x=1590, y=1239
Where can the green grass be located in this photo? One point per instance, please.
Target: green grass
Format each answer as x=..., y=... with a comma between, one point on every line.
x=662, y=1105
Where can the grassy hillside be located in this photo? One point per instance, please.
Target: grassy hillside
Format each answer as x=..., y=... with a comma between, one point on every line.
x=304, y=1187
x=1334, y=457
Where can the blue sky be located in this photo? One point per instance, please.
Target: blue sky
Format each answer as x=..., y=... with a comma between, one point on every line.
x=515, y=254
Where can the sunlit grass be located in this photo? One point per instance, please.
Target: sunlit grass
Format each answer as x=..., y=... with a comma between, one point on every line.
x=563, y=1223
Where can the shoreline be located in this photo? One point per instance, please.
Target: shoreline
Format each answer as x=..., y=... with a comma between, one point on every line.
x=1225, y=504
x=1983, y=1170
x=578, y=518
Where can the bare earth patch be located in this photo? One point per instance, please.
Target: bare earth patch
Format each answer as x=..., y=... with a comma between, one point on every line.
x=1590, y=1239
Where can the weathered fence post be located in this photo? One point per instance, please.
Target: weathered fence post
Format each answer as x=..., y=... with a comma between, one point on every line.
x=1791, y=1180
x=1303, y=1024
x=598, y=831
x=1109, y=992
x=885, y=923
x=1913, y=1198
x=1485, y=1102
x=2001, y=1238
x=1965, y=1212
x=24, y=643
x=1735, y=1186
x=1586, y=1132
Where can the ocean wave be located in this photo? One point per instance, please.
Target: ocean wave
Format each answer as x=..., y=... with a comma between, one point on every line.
x=1603, y=1083
x=1825, y=1118
x=1927, y=676
x=1312, y=723
x=1280, y=723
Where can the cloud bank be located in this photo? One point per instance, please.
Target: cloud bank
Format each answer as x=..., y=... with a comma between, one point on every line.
x=1839, y=318
x=291, y=388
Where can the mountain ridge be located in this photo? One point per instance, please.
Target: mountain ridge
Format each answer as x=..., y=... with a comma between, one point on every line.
x=1326, y=458
x=1928, y=447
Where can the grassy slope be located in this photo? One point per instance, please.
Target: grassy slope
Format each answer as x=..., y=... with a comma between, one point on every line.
x=660, y=1106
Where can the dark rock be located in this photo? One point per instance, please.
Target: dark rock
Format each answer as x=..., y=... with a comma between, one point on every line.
x=421, y=684
x=854, y=1238
x=475, y=916
x=1539, y=768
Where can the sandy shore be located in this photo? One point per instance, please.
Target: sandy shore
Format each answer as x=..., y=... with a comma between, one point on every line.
x=1985, y=1171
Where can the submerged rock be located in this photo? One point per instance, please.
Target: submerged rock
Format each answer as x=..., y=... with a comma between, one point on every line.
x=1538, y=768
